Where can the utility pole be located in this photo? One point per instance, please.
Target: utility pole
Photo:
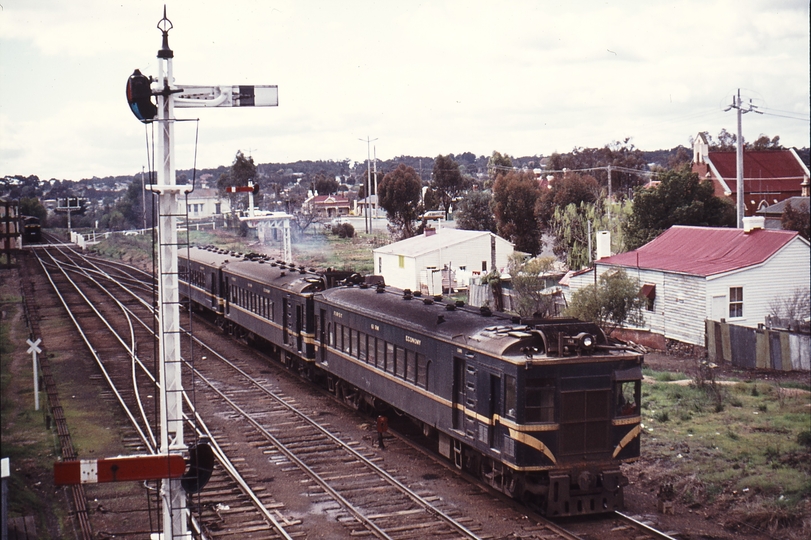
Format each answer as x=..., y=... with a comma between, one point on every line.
x=377, y=199
x=609, y=192
x=738, y=105
x=143, y=196
x=366, y=214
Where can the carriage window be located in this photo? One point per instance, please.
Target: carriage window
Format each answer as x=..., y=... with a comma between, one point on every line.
x=411, y=366
x=540, y=401
x=627, y=398
x=389, y=357
x=509, y=396
x=372, y=349
x=353, y=342
x=346, y=343
x=362, y=345
x=400, y=362
x=381, y=354
x=423, y=365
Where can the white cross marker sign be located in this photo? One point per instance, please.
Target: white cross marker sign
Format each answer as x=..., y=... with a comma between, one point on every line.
x=34, y=350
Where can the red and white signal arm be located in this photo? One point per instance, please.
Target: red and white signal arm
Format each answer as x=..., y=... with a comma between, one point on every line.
x=119, y=469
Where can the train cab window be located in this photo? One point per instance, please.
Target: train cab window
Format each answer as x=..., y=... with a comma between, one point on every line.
x=627, y=398
x=510, y=402
x=539, y=404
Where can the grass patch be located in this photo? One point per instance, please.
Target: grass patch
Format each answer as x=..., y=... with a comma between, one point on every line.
x=750, y=448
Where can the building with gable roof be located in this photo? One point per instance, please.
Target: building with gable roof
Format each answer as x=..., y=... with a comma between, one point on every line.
x=418, y=263
x=328, y=206
x=774, y=214
x=769, y=176
x=690, y=274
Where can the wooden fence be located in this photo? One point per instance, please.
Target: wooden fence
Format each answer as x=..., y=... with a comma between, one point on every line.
x=758, y=348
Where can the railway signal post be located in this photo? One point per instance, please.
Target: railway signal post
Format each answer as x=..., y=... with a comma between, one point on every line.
x=140, y=90
x=34, y=350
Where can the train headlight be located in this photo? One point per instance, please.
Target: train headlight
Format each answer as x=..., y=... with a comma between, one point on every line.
x=586, y=341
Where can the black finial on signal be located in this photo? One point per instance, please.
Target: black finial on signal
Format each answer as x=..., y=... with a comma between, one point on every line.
x=164, y=25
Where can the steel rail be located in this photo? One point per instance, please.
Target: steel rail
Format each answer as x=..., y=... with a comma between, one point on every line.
x=425, y=505
x=647, y=528
x=92, y=350
x=219, y=453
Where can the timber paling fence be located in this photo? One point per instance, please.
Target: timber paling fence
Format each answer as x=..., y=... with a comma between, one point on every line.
x=779, y=345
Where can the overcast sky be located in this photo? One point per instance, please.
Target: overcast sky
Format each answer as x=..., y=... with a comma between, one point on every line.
x=423, y=78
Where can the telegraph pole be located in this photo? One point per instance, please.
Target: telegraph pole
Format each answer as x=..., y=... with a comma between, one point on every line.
x=738, y=105
x=367, y=215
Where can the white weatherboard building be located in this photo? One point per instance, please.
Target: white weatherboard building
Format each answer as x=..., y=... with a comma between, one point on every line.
x=691, y=274
x=416, y=263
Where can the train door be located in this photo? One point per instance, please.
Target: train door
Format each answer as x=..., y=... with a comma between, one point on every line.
x=226, y=293
x=214, y=298
x=323, y=335
x=285, y=321
x=298, y=329
x=464, y=397
x=492, y=409
x=458, y=393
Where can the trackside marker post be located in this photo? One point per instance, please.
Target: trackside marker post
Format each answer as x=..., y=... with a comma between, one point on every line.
x=34, y=350
x=119, y=469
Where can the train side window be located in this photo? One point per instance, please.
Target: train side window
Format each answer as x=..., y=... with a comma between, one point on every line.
x=372, y=349
x=390, y=357
x=347, y=341
x=362, y=346
x=330, y=335
x=423, y=368
x=510, y=402
x=412, y=359
x=627, y=397
x=539, y=405
x=400, y=362
x=381, y=354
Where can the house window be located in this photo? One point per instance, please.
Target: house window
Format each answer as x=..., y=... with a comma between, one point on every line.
x=380, y=265
x=218, y=208
x=401, y=261
x=648, y=295
x=735, y=302
x=484, y=266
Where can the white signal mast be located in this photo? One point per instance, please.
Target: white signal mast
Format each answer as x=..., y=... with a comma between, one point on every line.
x=169, y=95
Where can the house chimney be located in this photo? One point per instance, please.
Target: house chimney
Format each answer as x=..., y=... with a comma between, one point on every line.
x=430, y=231
x=603, y=244
x=752, y=223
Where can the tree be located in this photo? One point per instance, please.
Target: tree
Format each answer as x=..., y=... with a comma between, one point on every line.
x=448, y=181
x=30, y=206
x=497, y=165
x=610, y=303
x=571, y=188
x=797, y=219
x=241, y=172
x=325, y=185
x=679, y=199
x=475, y=212
x=514, y=196
x=570, y=228
x=399, y=195
x=528, y=282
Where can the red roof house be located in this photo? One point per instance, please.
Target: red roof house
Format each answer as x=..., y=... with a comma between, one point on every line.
x=327, y=206
x=690, y=274
x=769, y=176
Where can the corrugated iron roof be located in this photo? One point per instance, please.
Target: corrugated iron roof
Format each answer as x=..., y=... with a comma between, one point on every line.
x=776, y=170
x=421, y=244
x=704, y=251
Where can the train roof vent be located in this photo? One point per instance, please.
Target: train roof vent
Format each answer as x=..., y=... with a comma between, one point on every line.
x=450, y=306
x=427, y=301
x=417, y=294
x=437, y=298
x=460, y=303
x=485, y=311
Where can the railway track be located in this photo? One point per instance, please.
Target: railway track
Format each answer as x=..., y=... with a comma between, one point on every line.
x=341, y=478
